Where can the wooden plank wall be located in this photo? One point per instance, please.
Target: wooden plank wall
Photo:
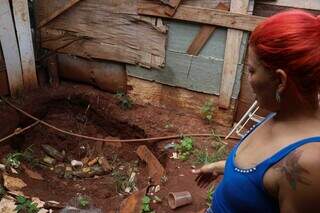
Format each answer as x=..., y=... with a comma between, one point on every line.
x=4, y=86
x=104, y=29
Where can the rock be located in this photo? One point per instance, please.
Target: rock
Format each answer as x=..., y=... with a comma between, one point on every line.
x=60, y=169
x=49, y=150
x=13, y=184
x=94, y=161
x=68, y=173
x=2, y=167
x=40, y=203
x=32, y=174
x=105, y=165
x=7, y=205
x=13, y=170
x=49, y=160
x=76, y=164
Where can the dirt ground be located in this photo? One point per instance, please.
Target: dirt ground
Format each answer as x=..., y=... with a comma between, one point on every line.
x=85, y=110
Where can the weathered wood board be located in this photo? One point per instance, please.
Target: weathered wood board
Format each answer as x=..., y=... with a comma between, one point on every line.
x=106, y=30
x=201, y=15
x=10, y=49
x=305, y=4
x=232, y=55
x=23, y=29
x=4, y=87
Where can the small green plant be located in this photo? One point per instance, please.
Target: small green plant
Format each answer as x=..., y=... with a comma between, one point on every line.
x=210, y=195
x=14, y=159
x=168, y=126
x=145, y=208
x=2, y=191
x=83, y=201
x=121, y=180
x=26, y=205
x=124, y=100
x=207, y=110
x=185, y=148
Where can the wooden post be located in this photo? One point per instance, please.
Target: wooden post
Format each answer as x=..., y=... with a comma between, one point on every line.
x=231, y=56
x=10, y=49
x=23, y=28
x=53, y=70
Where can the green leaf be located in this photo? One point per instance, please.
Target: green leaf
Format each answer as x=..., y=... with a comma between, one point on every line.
x=21, y=199
x=146, y=200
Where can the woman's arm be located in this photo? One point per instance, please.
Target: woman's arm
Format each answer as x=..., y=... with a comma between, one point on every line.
x=209, y=173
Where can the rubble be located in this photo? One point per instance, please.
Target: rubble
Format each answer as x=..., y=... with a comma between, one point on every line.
x=7, y=204
x=49, y=150
x=32, y=174
x=105, y=164
x=13, y=184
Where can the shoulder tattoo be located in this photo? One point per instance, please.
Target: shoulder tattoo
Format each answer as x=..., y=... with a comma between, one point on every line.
x=292, y=170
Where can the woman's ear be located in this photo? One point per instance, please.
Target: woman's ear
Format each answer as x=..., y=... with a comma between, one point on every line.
x=282, y=78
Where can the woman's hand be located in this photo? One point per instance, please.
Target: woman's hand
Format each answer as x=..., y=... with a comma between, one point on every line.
x=209, y=173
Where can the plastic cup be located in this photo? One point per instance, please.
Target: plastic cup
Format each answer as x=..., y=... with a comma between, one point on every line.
x=178, y=199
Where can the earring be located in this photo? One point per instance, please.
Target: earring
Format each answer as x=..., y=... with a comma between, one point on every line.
x=278, y=98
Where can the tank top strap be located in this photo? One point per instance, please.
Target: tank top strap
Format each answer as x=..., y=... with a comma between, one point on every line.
x=290, y=148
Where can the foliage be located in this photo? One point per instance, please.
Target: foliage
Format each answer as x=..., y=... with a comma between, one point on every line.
x=185, y=148
x=220, y=153
x=26, y=205
x=210, y=195
x=207, y=110
x=145, y=208
x=83, y=201
x=2, y=191
x=14, y=159
x=124, y=101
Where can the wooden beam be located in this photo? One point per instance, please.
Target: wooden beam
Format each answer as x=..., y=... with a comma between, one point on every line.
x=174, y=4
x=231, y=56
x=203, y=35
x=57, y=13
x=302, y=4
x=10, y=49
x=23, y=29
x=202, y=15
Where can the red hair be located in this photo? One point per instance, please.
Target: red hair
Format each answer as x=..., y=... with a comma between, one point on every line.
x=291, y=41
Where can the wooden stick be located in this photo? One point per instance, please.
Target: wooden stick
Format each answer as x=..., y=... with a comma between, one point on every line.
x=105, y=139
x=57, y=13
x=204, y=34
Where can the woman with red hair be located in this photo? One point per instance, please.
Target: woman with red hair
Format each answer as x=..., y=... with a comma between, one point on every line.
x=276, y=166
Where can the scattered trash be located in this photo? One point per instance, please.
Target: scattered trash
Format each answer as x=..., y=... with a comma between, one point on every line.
x=7, y=204
x=76, y=164
x=157, y=199
x=49, y=150
x=193, y=167
x=2, y=167
x=169, y=146
x=32, y=174
x=174, y=155
x=85, y=160
x=82, y=204
x=178, y=199
x=94, y=161
x=59, y=169
x=157, y=189
x=13, y=170
x=13, y=184
x=105, y=164
x=181, y=175
x=49, y=160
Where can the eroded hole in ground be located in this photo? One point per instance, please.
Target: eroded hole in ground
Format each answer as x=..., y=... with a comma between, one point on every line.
x=62, y=181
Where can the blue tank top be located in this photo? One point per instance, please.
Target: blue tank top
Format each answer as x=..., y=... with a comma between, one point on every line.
x=242, y=190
